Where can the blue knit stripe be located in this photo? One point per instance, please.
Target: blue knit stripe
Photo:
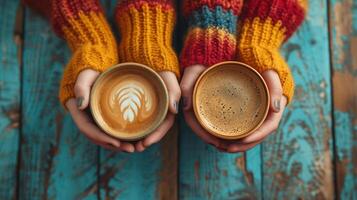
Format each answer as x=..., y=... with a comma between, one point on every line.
x=207, y=17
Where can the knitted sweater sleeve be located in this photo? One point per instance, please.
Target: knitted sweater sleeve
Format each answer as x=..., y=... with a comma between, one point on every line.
x=83, y=25
x=146, y=29
x=264, y=26
x=211, y=35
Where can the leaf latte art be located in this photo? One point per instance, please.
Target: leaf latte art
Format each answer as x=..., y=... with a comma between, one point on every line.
x=131, y=100
x=128, y=102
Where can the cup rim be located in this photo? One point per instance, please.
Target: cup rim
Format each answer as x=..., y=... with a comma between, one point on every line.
x=199, y=117
x=142, y=67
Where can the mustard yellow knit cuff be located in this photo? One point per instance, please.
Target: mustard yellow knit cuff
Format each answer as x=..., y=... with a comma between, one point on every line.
x=258, y=46
x=146, y=29
x=92, y=57
x=66, y=91
x=263, y=59
x=93, y=46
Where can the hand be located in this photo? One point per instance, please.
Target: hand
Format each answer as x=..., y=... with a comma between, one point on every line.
x=277, y=106
x=87, y=126
x=84, y=122
x=174, y=98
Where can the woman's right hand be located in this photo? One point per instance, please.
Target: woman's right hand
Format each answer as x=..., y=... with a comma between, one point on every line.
x=83, y=120
x=277, y=106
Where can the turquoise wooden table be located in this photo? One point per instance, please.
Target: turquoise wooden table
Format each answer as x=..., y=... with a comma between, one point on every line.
x=311, y=156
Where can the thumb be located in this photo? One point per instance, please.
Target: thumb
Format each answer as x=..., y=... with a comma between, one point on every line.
x=173, y=89
x=82, y=87
x=272, y=79
x=188, y=82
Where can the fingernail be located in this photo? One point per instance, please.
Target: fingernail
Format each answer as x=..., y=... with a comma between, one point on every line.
x=79, y=101
x=277, y=104
x=184, y=101
x=176, y=105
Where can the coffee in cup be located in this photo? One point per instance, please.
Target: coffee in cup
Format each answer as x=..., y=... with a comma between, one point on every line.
x=129, y=101
x=231, y=100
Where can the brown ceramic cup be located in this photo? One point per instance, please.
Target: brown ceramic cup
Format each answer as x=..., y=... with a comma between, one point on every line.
x=231, y=100
x=129, y=101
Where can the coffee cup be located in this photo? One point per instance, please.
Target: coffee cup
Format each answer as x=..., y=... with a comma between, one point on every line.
x=129, y=101
x=231, y=100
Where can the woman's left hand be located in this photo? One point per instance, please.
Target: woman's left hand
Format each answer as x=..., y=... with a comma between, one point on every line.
x=174, y=98
x=277, y=107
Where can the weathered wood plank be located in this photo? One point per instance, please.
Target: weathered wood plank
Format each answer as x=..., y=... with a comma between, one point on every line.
x=343, y=29
x=57, y=162
x=10, y=57
x=148, y=175
x=206, y=173
x=297, y=159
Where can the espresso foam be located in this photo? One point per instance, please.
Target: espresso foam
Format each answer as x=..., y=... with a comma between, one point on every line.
x=231, y=102
x=129, y=102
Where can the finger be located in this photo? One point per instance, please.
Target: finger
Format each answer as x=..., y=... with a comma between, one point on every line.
x=127, y=147
x=124, y=147
x=160, y=132
x=270, y=124
x=82, y=87
x=139, y=146
x=188, y=81
x=173, y=89
x=109, y=147
x=87, y=127
x=275, y=89
x=235, y=148
x=202, y=133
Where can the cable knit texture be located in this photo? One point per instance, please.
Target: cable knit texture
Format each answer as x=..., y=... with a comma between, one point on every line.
x=211, y=36
x=264, y=26
x=146, y=28
x=83, y=25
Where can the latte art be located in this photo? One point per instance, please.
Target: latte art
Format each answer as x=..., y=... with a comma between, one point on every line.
x=131, y=100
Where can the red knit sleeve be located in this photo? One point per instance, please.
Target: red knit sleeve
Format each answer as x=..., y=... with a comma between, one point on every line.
x=211, y=36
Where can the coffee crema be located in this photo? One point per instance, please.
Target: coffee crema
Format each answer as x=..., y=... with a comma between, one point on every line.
x=129, y=101
x=231, y=100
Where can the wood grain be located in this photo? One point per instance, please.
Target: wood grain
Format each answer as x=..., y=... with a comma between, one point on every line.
x=297, y=159
x=10, y=62
x=57, y=162
x=343, y=30
x=206, y=173
x=148, y=175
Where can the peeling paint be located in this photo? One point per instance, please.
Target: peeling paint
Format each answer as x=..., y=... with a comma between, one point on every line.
x=345, y=96
x=241, y=164
x=167, y=185
x=353, y=53
x=14, y=118
x=343, y=24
